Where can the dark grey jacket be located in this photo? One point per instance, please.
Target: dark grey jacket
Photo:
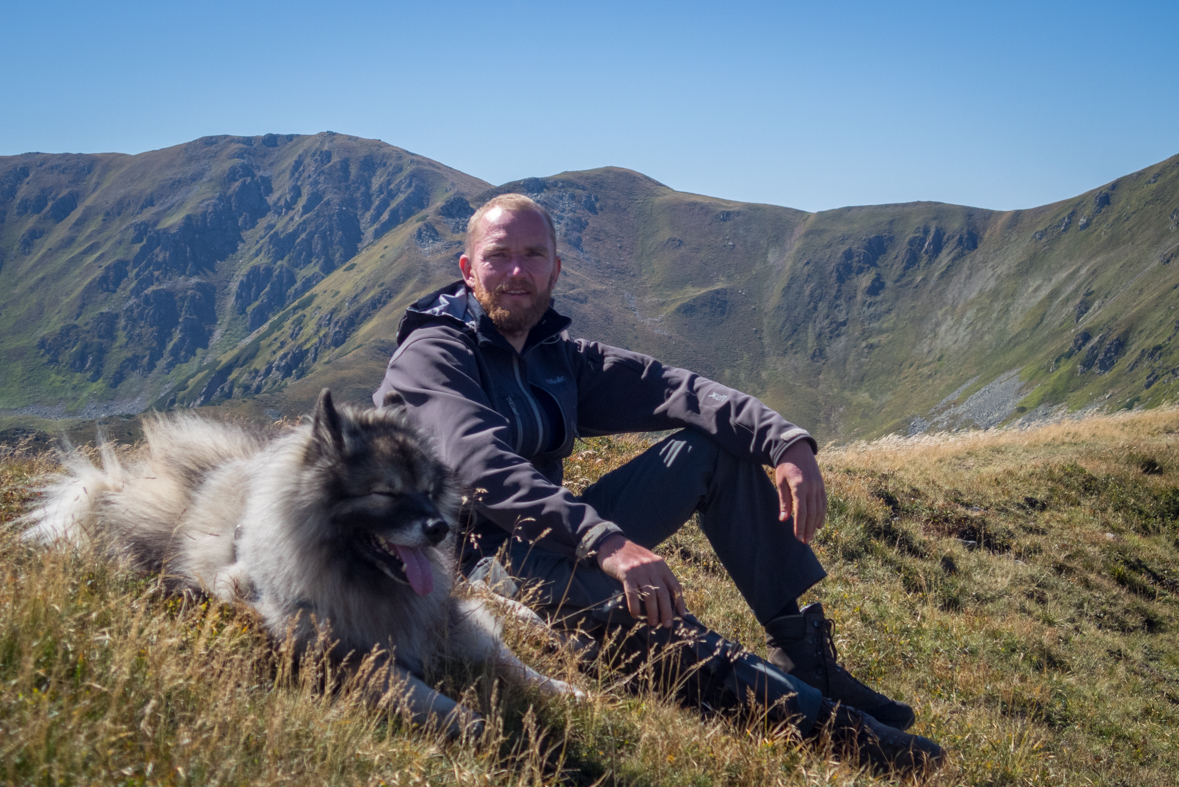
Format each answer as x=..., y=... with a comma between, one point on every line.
x=506, y=420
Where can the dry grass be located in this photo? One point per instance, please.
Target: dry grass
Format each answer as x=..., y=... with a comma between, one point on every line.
x=1045, y=652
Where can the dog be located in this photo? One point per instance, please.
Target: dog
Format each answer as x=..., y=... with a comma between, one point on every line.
x=339, y=531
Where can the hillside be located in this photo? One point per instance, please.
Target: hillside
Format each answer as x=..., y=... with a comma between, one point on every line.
x=1018, y=587
x=248, y=272
x=129, y=280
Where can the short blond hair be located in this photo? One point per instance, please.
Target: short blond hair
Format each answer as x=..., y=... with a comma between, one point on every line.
x=510, y=203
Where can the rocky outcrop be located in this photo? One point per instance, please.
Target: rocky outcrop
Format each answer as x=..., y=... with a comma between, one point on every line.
x=395, y=207
x=326, y=236
x=339, y=328
x=193, y=246
x=923, y=245
x=456, y=211
x=62, y=207
x=10, y=182
x=263, y=291
x=218, y=386
x=333, y=329
x=862, y=257
x=172, y=322
x=81, y=350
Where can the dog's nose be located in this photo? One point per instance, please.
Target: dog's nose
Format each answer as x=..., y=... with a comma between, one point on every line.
x=436, y=530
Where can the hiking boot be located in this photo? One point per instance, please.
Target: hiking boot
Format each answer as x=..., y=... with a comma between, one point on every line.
x=803, y=646
x=858, y=738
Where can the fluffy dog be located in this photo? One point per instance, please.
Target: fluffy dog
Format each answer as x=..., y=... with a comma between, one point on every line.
x=347, y=524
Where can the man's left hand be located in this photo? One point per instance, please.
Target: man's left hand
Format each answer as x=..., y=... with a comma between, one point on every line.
x=801, y=492
x=646, y=580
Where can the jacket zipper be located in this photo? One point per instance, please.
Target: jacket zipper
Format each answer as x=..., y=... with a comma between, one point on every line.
x=519, y=423
x=532, y=403
x=565, y=424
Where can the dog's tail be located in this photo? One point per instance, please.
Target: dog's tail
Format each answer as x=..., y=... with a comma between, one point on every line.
x=68, y=510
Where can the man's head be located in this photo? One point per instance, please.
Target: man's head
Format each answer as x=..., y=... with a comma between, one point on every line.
x=511, y=263
x=511, y=203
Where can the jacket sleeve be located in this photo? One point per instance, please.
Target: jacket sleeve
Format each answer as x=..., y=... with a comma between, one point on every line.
x=437, y=375
x=662, y=397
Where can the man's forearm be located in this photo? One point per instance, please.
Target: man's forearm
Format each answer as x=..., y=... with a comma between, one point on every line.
x=624, y=391
x=437, y=379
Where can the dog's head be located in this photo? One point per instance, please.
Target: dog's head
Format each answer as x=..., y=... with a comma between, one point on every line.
x=392, y=506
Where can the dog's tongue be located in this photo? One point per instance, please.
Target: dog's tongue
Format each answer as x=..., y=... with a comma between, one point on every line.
x=417, y=569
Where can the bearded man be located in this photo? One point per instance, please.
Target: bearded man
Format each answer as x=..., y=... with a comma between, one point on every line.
x=487, y=368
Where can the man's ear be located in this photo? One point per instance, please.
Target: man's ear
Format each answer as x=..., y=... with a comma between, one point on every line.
x=466, y=268
x=556, y=271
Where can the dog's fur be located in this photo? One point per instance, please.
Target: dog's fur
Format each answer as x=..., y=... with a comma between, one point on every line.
x=347, y=523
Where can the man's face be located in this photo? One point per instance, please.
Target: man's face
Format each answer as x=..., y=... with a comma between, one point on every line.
x=512, y=268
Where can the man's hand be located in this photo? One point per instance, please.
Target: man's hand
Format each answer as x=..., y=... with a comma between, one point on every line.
x=800, y=491
x=645, y=578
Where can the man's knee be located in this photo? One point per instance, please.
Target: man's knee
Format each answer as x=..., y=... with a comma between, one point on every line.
x=688, y=448
x=690, y=452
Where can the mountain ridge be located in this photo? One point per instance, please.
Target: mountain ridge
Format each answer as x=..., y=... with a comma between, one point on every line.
x=250, y=271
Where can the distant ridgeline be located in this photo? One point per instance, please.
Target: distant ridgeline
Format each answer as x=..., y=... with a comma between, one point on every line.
x=251, y=271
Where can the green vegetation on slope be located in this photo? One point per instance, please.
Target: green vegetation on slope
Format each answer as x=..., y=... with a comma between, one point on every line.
x=130, y=281
x=256, y=270
x=1017, y=587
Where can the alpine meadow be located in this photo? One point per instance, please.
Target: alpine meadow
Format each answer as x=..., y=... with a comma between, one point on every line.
x=1017, y=587
x=994, y=394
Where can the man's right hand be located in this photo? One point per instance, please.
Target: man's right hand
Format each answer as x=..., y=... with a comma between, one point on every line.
x=645, y=578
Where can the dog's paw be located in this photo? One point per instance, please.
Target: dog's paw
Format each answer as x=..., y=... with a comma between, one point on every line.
x=551, y=687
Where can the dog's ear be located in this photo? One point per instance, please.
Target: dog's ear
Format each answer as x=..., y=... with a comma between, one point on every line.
x=393, y=398
x=327, y=427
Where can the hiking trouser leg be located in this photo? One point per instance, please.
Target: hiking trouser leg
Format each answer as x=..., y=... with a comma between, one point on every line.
x=690, y=660
x=704, y=669
x=653, y=495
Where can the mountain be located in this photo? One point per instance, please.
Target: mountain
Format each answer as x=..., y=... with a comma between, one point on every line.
x=248, y=272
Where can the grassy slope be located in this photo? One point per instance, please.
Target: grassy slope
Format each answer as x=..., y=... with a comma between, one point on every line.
x=1046, y=654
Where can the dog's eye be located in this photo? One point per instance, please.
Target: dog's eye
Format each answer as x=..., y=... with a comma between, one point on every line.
x=383, y=492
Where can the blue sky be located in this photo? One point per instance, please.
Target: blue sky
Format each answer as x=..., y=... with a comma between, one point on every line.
x=809, y=105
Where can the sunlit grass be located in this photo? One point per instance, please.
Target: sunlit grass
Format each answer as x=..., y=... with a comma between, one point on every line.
x=1017, y=588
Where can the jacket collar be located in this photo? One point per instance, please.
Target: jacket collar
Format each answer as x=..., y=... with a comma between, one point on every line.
x=456, y=305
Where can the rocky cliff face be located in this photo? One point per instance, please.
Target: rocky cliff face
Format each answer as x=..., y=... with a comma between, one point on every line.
x=254, y=270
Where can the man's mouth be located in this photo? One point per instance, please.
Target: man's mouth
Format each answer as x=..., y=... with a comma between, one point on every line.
x=514, y=290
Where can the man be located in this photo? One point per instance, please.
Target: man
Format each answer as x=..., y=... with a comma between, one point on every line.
x=486, y=368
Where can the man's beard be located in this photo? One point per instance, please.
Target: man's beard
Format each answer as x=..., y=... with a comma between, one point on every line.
x=520, y=321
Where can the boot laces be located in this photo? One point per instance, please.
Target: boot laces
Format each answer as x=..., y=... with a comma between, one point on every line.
x=828, y=630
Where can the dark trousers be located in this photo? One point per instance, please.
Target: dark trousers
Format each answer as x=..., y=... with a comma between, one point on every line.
x=650, y=498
